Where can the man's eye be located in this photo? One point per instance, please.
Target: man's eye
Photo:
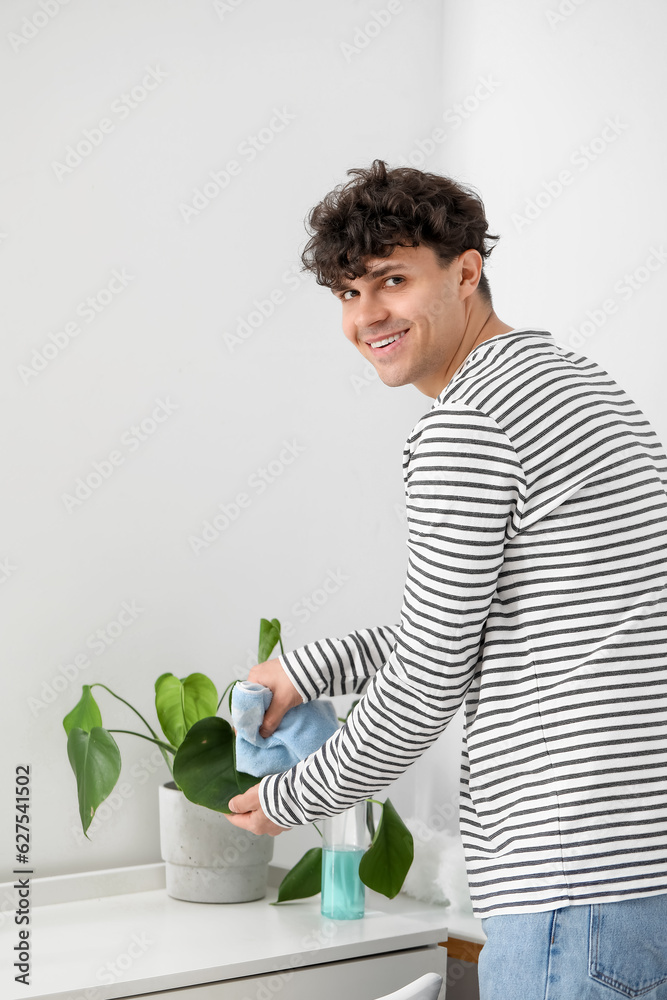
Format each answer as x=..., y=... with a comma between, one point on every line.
x=395, y=277
x=347, y=294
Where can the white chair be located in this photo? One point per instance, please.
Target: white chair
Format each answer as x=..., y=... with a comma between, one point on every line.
x=425, y=988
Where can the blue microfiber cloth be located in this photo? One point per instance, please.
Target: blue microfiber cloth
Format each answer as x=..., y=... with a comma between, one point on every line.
x=302, y=731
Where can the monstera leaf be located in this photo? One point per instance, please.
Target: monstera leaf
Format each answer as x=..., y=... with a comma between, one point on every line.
x=205, y=768
x=305, y=879
x=85, y=714
x=387, y=861
x=95, y=760
x=269, y=635
x=181, y=703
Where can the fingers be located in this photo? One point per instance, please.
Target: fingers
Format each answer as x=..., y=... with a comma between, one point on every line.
x=257, y=822
x=248, y=814
x=271, y=674
x=246, y=802
x=273, y=718
x=285, y=696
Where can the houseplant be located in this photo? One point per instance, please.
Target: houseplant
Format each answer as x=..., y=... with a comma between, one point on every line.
x=207, y=859
x=199, y=749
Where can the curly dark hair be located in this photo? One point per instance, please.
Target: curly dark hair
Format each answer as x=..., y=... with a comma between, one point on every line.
x=381, y=209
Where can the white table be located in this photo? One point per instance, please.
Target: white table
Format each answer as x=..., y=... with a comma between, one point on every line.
x=110, y=935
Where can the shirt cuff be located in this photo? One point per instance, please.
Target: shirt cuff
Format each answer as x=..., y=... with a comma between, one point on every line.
x=275, y=809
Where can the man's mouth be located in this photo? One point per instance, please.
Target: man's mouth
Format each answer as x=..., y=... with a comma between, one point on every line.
x=386, y=341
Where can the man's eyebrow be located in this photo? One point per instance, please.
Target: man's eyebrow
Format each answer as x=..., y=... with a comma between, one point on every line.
x=378, y=272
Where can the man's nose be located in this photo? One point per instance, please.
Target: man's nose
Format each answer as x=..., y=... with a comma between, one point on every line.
x=369, y=313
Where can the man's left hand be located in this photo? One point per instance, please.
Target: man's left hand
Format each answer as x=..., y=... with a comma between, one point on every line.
x=248, y=814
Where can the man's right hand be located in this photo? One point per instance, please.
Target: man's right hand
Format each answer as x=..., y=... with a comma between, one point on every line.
x=285, y=695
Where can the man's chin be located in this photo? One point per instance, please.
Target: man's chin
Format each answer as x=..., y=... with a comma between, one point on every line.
x=392, y=378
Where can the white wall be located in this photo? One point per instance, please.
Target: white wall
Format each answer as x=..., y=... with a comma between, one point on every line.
x=218, y=72
x=543, y=90
x=562, y=70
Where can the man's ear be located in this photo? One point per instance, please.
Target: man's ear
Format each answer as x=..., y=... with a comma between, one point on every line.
x=470, y=263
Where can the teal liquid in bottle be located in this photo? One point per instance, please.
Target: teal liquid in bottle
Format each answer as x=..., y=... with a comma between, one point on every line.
x=342, y=889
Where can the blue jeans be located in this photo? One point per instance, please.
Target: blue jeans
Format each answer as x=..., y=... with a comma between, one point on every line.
x=605, y=951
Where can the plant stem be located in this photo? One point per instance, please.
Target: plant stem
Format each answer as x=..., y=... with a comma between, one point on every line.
x=150, y=728
x=370, y=821
x=130, y=732
x=155, y=739
x=222, y=696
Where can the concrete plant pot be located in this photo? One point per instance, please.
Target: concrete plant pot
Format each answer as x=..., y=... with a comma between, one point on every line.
x=208, y=860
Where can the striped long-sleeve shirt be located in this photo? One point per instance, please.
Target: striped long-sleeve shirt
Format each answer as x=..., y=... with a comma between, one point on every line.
x=537, y=536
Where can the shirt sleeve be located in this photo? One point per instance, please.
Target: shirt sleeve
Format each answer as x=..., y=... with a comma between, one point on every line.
x=339, y=666
x=465, y=492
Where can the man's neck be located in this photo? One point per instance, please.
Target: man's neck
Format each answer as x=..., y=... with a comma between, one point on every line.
x=492, y=327
x=481, y=326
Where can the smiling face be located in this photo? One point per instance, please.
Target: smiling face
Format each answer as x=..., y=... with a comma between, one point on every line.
x=410, y=316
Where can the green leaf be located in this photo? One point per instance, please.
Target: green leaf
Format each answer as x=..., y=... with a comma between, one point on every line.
x=95, y=760
x=204, y=765
x=305, y=879
x=387, y=861
x=181, y=703
x=85, y=714
x=269, y=635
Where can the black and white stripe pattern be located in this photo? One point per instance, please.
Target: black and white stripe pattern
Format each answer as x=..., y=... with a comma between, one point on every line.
x=537, y=536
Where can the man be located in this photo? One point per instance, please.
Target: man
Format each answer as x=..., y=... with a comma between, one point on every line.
x=537, y=513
